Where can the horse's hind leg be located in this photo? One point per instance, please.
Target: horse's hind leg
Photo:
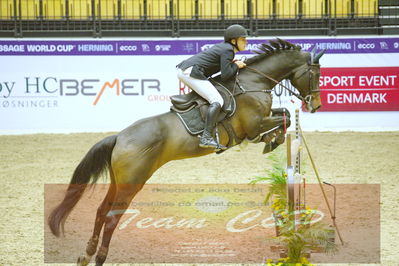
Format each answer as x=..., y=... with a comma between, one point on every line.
x=124, y=195
x=99, y=222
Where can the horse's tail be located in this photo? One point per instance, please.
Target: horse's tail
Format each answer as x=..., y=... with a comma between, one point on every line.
x=96, y=161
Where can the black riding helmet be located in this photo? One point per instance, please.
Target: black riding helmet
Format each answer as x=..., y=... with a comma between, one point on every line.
x=234, y=32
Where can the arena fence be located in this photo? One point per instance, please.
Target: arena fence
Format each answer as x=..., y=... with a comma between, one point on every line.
x=196, y=17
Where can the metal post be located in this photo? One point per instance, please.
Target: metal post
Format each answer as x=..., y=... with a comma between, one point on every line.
x=15, y=19
x=96, y=18
x=196, y=10
x=300, y=9
x=334, y=31
x=335, y=198
x=67, y=17
x=19, y=30
x=255, y=16
x=173, y=13
x=297, y=136
x=249, y=16
x=222, y=10
x=326, y=8
x=145, y=10
x=119, y=7
x=41, y=11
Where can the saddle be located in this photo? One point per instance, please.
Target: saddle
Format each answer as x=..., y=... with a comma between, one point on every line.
x=191, y=108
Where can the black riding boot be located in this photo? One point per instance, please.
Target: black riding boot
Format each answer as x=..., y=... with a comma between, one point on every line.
x=207, y=140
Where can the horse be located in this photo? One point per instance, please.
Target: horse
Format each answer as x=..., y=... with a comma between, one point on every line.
x=133, y=155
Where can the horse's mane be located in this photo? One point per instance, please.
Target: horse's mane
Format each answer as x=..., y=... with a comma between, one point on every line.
x=275, y=46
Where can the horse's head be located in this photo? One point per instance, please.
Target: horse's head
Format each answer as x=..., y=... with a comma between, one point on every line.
x=305, y=79
x=284, y=60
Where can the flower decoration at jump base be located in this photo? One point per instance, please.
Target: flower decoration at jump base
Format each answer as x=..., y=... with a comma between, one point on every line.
x=284, y=262
x=299, y=229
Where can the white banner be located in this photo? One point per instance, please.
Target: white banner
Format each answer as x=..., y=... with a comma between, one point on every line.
x=75, y=94
x=88, y=93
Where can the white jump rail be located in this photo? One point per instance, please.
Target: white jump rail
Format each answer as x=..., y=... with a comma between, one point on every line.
x=293, y=169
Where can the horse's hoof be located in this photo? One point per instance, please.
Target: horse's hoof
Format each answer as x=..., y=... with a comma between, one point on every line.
x=101, y=256
x=267, y=148
x=280, y=139
x=266, y=138
x=83, y=261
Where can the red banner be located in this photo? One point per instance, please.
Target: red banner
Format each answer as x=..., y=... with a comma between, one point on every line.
x=360, y=89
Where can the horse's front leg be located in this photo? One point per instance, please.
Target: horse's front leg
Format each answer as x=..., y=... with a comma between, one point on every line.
x=274, y=128
x=274, y=122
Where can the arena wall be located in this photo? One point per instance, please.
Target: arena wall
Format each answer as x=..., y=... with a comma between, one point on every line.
x=86, y=85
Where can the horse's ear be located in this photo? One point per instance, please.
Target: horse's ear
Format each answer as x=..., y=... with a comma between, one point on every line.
x=317, y=56
x=313, y=50
x=312, y=55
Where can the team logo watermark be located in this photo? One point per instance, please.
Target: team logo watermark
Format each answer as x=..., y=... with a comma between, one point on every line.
x=212, y=223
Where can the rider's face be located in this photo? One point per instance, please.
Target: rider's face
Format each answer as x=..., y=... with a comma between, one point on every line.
x=242, y=43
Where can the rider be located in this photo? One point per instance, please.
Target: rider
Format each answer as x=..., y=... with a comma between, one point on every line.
x=195, y=71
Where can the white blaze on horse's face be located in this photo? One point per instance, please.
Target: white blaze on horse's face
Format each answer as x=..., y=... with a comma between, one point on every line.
x=306, y=80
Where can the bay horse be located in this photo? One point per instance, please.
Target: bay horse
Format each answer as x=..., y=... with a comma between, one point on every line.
x=133, y=155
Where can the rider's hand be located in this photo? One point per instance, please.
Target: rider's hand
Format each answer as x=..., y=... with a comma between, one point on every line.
x=240, y=64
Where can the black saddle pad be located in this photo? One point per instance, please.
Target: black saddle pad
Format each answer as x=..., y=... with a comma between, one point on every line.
x=192, y=121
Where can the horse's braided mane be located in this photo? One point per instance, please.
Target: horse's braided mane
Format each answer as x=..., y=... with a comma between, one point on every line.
x=269, y=49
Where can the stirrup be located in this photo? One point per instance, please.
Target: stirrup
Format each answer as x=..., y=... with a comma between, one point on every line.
x=221, y=147
x=206, y=142
x=217, y=147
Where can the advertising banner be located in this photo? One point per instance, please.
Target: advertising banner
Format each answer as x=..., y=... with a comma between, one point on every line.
x=105, y=85
x=185, y=47
x=82, y=94
x=360, y=89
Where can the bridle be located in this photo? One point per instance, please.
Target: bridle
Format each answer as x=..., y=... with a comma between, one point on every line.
x=308, y=98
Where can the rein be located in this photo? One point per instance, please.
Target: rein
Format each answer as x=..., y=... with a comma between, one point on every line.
x=300, y=97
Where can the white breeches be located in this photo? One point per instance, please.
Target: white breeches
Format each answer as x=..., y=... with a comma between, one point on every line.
x=203, y=87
